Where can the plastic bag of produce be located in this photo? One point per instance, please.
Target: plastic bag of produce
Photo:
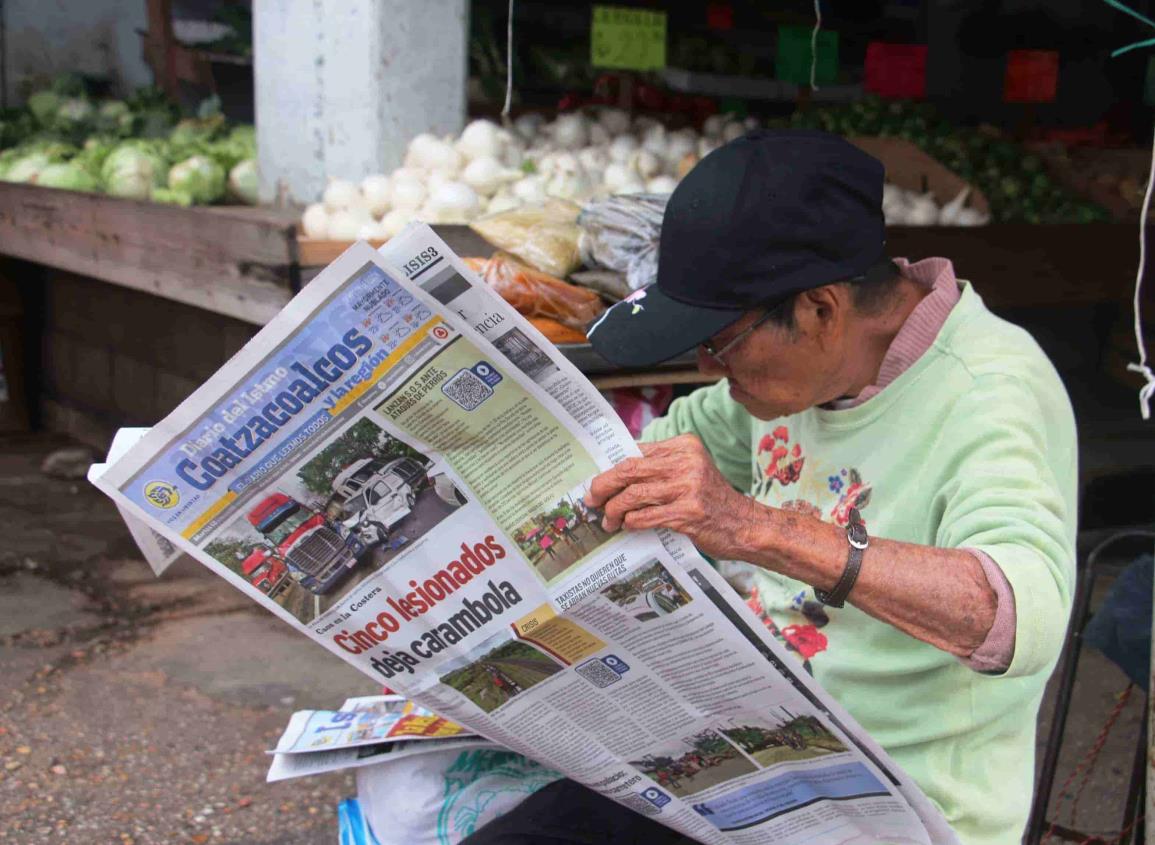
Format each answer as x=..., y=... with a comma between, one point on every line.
x=535, y=293
x=442, y=796
x=544, y=236
x=621, y=233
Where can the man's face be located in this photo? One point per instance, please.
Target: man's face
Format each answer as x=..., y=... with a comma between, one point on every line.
x=775, y=371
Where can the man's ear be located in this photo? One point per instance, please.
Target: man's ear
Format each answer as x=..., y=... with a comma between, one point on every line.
x=818, y=310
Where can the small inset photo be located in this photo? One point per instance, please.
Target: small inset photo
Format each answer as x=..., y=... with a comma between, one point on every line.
x=648, y=592
x=782, y=739
x=557, y=537
x=694, y=763
x=496, y=673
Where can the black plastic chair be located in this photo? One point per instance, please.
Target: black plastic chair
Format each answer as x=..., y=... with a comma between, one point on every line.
x=1068, y=666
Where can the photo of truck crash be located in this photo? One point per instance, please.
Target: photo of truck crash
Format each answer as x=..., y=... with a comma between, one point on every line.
x=316, y=554
x=378, y=493
x=350, y=508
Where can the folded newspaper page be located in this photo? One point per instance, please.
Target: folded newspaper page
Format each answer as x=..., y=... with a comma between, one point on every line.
x=365, y=731
x=404, y=458
x=365, y=721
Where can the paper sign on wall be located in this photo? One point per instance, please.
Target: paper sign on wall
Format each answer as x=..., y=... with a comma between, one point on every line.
x=627, y=39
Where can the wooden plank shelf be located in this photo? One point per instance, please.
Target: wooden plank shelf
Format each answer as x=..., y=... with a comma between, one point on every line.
x=232, y=260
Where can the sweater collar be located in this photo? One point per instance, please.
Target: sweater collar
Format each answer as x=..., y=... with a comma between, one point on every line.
x=920, y=329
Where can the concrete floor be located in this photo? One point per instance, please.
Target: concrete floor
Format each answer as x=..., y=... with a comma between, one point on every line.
x=137, y=710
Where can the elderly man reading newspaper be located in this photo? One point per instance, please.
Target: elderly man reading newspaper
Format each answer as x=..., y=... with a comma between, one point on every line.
x=896, y=463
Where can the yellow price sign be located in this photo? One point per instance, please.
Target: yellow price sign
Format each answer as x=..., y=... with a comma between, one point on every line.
x=627, y=39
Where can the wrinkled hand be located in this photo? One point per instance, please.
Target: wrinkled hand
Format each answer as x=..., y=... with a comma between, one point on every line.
x=676, y=485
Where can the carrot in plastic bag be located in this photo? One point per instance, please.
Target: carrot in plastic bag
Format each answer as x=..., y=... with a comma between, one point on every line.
x=537, y=294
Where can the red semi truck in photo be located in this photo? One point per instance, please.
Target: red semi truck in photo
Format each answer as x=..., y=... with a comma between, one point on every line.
x=317, y=555
x=265, y=571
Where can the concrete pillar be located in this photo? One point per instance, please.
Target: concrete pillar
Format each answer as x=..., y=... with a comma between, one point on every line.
x=343, y=85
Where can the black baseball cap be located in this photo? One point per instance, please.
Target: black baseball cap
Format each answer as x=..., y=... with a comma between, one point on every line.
x=768, y=215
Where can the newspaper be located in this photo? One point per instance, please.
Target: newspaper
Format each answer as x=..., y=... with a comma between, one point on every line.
x=362, y=732
x=367, y=721
x=396, y=466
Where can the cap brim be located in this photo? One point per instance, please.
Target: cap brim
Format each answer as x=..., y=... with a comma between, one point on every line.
x=650, y=327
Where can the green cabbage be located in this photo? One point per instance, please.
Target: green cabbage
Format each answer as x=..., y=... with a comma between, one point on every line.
x=193, y=130
x=133, y=169
x=243, y=182
x=24, y=163
x=169, y=196
x=200, y=177
x=114, y=116
x=68, y=175
x=43, y=105
x=74, y=111
x=27, y=167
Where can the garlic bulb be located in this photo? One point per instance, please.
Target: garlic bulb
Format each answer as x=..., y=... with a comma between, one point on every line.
x=922, y=210
x=654, y=140
x=341, y=193
x=454, y=202
x=531, y=189
x=370, y=231
x=678, y=146
x=661, y=185
x=431, y=153
x=408, y=194
x=571, y=131
x=481, y=138
x=593, y=158
x=396, y=220
x=614, y=121
x=486, y=174
x=646, y=164
x=315, y=221
x=599, y=137
x=732, y=130
x=622, y=148
x=712, y=126
x=376, y=190
x=569, y=180
x=948, y=214
x=617, y=175
x=345, y=225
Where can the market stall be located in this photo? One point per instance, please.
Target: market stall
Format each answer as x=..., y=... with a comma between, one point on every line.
x=148, y=191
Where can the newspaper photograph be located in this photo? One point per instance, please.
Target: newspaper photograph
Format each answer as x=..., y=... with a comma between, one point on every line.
x=396, y=467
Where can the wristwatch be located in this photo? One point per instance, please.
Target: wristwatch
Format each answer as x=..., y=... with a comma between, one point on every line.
x=859, y=541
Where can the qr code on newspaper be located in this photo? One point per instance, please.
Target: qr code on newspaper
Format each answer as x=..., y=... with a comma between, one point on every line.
x=597, y=673
x=467, y=389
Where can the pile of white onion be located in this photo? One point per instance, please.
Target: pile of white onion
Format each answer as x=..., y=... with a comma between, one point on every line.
x=901, y=207
x=576, y=157
x=487, y=169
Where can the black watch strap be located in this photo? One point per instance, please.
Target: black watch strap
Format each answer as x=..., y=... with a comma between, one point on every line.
x=859, y=541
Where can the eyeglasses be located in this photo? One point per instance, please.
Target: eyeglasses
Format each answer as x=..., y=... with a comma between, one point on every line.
x=728, y=347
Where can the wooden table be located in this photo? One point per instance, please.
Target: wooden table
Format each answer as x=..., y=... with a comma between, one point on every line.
x=247, y=262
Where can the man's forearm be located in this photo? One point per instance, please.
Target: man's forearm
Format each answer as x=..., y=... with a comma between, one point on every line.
x=940, y=596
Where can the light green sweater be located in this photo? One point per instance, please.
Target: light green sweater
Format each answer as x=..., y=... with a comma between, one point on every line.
x=973, y=446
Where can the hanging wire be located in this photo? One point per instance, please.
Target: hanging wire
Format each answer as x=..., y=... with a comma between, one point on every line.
x=1148, y=389
x=508, y=65
x=814, y=45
